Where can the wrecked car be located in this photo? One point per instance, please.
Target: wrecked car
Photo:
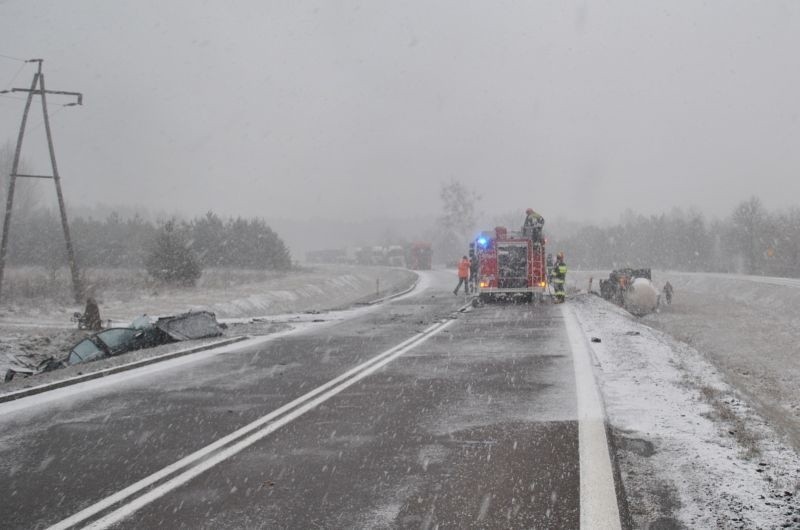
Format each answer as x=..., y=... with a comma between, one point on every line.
x=145, y=333
x=114, y=341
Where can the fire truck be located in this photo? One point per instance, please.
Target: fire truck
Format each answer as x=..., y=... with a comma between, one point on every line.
x=510, y=265
x=419, y=256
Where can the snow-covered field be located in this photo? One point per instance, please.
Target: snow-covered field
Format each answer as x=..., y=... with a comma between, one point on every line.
x=703, y=400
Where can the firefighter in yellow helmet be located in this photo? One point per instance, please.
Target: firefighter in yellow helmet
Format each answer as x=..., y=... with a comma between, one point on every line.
x=559, y=278
x=533, y=225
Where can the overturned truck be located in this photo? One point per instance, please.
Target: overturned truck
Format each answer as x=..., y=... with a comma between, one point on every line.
x=631, y=289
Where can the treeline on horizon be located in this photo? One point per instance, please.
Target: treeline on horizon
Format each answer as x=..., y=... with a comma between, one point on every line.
x=38, y=239
x=751, y=240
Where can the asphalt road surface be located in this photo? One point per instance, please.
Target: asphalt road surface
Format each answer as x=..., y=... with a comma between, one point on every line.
x=410, y=414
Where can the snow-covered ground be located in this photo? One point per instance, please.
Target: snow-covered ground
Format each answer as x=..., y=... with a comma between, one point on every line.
x=702, y=397
x=249, y=303
x=703, y=400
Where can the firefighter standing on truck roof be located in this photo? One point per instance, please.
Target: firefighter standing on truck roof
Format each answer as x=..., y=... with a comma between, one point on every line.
x=533, y=225
x=463, y=275
x=559, y=278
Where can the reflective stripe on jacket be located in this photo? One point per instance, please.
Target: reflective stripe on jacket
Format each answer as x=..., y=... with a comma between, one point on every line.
x=559, y=273
x=534, y=219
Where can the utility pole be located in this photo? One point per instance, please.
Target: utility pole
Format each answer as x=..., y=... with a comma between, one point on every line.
x=37, y=88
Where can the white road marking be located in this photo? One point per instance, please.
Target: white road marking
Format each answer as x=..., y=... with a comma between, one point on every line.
x=243, y=438
x=111, y=381
x=60, y=394
x=598, y=498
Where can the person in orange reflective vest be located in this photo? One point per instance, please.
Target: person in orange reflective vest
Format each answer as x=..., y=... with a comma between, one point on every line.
x=463, y=275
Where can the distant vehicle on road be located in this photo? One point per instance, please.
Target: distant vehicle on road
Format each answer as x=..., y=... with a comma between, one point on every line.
x=419, y=256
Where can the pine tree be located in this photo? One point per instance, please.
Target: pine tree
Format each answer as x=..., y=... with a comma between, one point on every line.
x=171, y=259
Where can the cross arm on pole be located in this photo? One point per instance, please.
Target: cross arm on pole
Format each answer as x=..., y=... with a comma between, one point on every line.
x=32, y=176
x=61, y=92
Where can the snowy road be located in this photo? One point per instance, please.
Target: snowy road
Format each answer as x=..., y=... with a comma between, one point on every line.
x=407, y=414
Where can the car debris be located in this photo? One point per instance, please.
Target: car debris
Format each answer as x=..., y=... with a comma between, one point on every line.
x=143, y=332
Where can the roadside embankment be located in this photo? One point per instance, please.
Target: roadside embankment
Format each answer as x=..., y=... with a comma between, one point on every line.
x=747, y=326
x=40, y=331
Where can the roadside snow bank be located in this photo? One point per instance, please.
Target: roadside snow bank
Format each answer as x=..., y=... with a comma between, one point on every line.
x=229, y=294
x=747, y=326
x=27, y=336
x=688, y=447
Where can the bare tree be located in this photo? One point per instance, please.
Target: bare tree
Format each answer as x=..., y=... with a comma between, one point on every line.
x=749, y=218
x=458, y=219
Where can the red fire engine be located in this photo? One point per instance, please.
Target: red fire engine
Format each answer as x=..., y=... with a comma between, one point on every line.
x=419, y=256
x=510, y=265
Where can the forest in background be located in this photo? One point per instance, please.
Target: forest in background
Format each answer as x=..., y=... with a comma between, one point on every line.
x=751, y=240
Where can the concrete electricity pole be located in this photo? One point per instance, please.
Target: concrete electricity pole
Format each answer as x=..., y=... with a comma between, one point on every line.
x=37, y=88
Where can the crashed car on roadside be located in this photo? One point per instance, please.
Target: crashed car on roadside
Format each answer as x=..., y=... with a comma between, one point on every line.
x=145, y=333
x=114, y=341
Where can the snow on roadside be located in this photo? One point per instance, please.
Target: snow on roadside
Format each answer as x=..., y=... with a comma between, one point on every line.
x=688, y=446
x=248, y=308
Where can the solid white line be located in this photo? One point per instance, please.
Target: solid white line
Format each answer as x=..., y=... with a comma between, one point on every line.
x=16, y=405
x=598, y=498
x=127, y=366
x=359, y=372
x=113, y=380
x=128, y=509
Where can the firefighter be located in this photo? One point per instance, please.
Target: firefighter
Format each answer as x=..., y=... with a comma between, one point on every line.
x=463, y=275
x=473, y=270
x=559, y=278
x=533, y=225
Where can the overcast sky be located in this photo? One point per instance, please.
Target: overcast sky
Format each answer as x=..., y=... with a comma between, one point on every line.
x=353, y=110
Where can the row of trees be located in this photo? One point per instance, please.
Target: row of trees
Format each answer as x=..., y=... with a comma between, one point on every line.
x=170, y=250
x=751, y=240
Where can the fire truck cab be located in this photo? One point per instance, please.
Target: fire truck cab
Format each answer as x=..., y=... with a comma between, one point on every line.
x=510, y=265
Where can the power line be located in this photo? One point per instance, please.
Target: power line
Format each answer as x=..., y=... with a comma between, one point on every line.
x=38, y=88
x=51, y=117
x=13, y=58
x=15, y=75
x=12, y=97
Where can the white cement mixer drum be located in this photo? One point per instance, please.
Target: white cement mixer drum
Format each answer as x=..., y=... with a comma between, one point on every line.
x=641, y=297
